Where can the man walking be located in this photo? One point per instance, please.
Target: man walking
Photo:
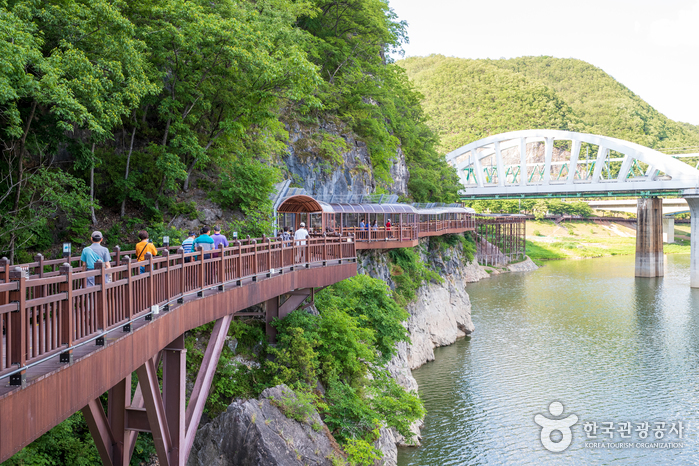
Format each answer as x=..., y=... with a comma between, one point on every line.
x=219, y=239
x=205, y=241
x=93, y=253
x=299, y=239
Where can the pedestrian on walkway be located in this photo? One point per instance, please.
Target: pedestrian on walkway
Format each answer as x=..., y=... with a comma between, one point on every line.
x=143, y=248
x=188, y=244
x=219, y=239
x=94, y=253
x=388, y=228
x=204, y=241
x=300, y=240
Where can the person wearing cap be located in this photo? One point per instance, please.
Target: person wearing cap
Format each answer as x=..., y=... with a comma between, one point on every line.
x=188, y=244
x=94, y=253
x=299, y=238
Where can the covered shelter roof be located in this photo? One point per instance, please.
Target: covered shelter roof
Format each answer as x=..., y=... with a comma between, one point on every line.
x=374, y=208
x=302, y=203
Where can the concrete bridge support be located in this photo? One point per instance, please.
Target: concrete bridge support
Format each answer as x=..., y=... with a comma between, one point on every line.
x=649, y=238
x=693, y=202
x=668, y=229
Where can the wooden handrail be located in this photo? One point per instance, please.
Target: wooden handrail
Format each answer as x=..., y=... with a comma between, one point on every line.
x=49, y=312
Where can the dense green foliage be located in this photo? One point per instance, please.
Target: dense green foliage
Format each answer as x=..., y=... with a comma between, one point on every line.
x=130, y=103
x=470, y=99
x=408, y=272
x=344, y=348
x=539, y=207
x=604, y=105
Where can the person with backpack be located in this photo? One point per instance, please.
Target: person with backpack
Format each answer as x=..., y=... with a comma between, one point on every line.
x=143, y=248
x=286, y=237
x=204, y=241
x=95, y=253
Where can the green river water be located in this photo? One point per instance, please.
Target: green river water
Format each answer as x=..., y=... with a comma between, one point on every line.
x=613, y=349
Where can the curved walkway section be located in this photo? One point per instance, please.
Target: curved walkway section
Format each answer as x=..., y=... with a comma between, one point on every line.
x=65, y=343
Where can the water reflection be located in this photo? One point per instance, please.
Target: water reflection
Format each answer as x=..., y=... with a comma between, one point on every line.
x=610, y=347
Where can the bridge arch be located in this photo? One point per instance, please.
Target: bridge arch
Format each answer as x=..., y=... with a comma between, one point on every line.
x=501, y=166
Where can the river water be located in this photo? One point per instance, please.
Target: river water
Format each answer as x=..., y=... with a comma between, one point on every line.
x=613, y=349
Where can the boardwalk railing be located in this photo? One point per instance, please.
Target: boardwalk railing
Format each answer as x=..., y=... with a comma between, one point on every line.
x=49, y=308
x=410, y=231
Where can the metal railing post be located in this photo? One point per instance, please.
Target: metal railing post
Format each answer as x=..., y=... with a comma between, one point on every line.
x=168, y=288
x=254, y=263
x=17, y=347
x=101, y=298
x=180, y=252
x=221, y=268
x=129, y=289
x=65, y=331
x=200, y=293
x=151, y=288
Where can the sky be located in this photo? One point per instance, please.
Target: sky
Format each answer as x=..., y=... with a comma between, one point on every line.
x=652, y=47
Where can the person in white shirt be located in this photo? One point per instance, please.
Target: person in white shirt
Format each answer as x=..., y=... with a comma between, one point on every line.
x=300, y=236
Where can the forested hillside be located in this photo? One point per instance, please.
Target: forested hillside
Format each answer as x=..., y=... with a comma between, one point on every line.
x=112, y=112
x=470, y=99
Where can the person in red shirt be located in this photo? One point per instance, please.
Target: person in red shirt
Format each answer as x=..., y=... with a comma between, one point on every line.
x=388, y=228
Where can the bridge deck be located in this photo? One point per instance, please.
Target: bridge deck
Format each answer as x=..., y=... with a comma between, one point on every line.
x=72, y=317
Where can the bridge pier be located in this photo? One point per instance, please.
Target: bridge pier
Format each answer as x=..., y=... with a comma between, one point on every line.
x=650, y=261
x=693, y=202
x=669, y=229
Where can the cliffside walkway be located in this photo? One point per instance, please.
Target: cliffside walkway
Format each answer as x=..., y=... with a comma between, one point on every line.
x=64, y=343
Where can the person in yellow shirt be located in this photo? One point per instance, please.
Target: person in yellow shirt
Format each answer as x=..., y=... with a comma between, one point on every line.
x=144, y=247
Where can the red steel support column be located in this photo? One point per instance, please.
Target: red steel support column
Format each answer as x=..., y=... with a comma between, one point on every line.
x=174, y=387
x=197, y=399
x=118, y=399
x=271, y=313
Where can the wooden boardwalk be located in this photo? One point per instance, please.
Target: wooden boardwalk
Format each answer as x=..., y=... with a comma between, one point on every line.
x=67, y=343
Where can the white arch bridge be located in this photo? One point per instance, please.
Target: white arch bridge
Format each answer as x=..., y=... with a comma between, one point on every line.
x=553, y=163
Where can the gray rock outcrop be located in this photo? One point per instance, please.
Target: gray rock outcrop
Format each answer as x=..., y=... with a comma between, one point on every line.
x=257, y=433
x=527, y=265
x=315, y=171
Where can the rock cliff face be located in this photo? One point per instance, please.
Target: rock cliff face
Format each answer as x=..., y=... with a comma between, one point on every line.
x=257, y=433
x=442, y=311
x=311, y=168
x=440, y=314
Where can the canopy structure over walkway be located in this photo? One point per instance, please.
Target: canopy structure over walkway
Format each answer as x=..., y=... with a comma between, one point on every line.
x=553, y=163
x=374, y=226
x=66, y=342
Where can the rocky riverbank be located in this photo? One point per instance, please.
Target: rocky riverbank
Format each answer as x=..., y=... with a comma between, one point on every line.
x=266, y=431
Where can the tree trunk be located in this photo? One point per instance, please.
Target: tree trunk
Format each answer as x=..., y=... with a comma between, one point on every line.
x=185, y=187
x=126, y=174
x=92, y=186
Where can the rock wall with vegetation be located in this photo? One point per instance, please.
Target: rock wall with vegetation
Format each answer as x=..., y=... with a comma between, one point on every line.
x=122, y=116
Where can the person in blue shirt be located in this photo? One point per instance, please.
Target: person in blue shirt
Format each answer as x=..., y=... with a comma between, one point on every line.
x=362, y=227
x=94, y=253
x=204, y=241
x=188, y=244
